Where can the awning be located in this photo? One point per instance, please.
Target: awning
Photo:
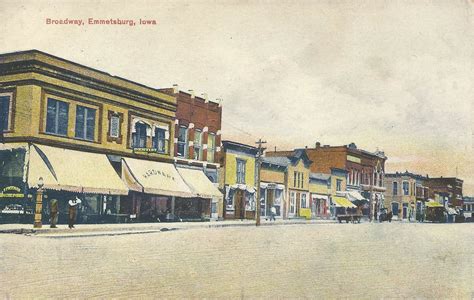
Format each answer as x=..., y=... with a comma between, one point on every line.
x=73, y=171
x=239, y=186
x=199, y=183
x=154, y=177
x=355, y=196
x=318, y=196
x=342, y=202
x=433, y=204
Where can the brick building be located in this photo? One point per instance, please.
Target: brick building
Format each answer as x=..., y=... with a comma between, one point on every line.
x=446, y=189
x=198, y=136
x=365, y=170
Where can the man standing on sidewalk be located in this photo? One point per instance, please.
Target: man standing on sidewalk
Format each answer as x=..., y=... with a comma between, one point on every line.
x=273, y=213
x=73, y=211
x=53, y=209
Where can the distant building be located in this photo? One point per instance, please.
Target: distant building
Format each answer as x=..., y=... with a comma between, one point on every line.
x=468, y=208
x=405, y=195
x=445, y=189
x=296, y=183
x=320, y=194
x=273, y=185
x=365, y=170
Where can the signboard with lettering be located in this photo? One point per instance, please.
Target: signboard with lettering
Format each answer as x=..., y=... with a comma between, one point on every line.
x=11, y=192
x=145, y=150
x=353, y=159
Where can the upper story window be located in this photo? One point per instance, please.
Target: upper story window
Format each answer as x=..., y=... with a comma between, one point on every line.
x=5, y=112
x=198, y=144
x=139, y=135
x=395, y=189
x=85, y=123
x=159, y=140
x=338, y=185
x=241, y=171
x=406, y=188
x=57, y=117
x=182, y=142
x=211, y=147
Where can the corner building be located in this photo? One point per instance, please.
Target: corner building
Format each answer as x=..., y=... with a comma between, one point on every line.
x=85, y=133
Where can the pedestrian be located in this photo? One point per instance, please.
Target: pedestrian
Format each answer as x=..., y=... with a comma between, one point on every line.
x=73, y=211
x=53, y=209
x=273, y=212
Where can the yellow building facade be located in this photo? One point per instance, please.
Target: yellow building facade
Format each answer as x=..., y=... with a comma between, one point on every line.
x=61, y=116
x=239, y=180
x=32, y=79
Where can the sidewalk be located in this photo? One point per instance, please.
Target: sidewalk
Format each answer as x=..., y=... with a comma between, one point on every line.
x=138, y=228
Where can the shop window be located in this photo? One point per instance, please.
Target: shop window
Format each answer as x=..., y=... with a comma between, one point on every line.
x=85, y=123
x=241, y=171
x=182, y=141
x=5, y=105
x=159, y=140
x=406, y=188
x=338, y=185
x=211, y=147
x=139, y=136
x=198, y=144
x=57, y=117
x=304, y=203
x=395, y=189
x=292, y=202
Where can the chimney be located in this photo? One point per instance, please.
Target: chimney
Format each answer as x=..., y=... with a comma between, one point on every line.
x=175, y=88
x=275, y=148
x=191, y=92
x=306, y=147
x=318, y=144
x=204, y=96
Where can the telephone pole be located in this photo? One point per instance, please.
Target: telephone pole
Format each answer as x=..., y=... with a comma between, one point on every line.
x=259, y=165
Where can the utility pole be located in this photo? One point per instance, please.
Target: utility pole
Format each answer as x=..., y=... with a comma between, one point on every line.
x=259, y=165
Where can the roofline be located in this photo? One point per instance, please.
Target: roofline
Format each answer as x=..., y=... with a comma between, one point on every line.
x=35, y=51
x=232, y=143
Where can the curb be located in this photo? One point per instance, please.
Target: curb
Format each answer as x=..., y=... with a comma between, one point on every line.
x=83, y=232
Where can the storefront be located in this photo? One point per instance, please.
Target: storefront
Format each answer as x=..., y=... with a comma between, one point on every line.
x=67, y=174
x=240, y=202
x=161, y=192
x=207, y=197
x=320, y=205
x=360, y=201
x=271, y=195
x=15, y=206
x=342, y=206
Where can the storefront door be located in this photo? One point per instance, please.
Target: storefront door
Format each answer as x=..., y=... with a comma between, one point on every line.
x=239, y=204
x=270, y=200
x=405, y=210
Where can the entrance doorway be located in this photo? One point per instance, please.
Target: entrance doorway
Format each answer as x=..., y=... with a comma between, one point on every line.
x=239, y=205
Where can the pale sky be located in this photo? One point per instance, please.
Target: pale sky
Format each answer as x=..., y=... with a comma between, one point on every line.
x=392, y=75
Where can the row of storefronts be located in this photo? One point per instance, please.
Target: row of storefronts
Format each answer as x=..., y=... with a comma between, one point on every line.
x=111, y=189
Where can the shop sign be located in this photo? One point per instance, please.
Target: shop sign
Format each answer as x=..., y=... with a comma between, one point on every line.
x=11, y=192
x=145, y=150
x=353, y=159
x=152, y=172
